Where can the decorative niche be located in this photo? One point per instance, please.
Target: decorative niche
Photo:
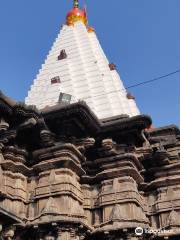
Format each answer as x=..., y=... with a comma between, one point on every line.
x=55, y=80
x=62, y=55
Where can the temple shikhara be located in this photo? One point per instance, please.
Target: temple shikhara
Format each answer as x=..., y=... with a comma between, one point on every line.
x=76, y=69
x=77, y=160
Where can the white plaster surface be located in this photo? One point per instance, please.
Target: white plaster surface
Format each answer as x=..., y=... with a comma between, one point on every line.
x=85, y=74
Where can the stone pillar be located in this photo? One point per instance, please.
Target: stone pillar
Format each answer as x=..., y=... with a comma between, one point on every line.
x=59, y=234
x=72, y=234
x=63, y=235
x=68, y=235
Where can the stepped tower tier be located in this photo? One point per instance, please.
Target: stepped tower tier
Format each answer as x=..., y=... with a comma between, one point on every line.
x=76, y=68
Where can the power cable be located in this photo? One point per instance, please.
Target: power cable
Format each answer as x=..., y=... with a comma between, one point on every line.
x=153, y=80
x=139, y=84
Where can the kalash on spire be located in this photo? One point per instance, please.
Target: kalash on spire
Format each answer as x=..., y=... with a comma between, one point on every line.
x=76, y=14
x=76, y=68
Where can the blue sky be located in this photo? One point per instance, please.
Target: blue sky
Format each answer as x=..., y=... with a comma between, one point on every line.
x=141, y=37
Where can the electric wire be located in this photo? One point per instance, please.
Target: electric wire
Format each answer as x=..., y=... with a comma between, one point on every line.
x=138, y=84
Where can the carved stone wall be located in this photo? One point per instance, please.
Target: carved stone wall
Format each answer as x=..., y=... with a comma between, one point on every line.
x=66, y=175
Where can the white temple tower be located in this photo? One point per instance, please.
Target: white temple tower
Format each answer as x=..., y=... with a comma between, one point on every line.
x=76, y=68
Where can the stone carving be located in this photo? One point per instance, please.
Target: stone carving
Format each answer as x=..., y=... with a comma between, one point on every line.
x=89, y=142
x=173, y=219
x=46, y=138
x=9, y=233
x=50, y=207
x=52, y=177
x=66, y=175
x=3, y=125
x=107, y=144
x=116, y=214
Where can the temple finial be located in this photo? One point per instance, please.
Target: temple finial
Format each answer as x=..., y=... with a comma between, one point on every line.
x=76, y=3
